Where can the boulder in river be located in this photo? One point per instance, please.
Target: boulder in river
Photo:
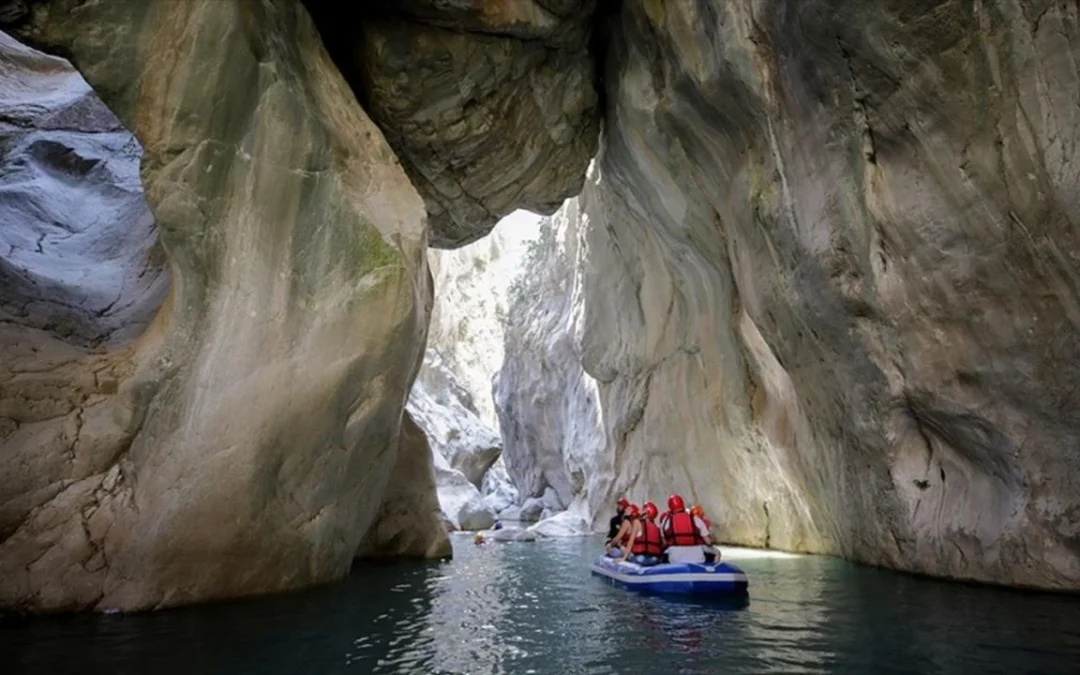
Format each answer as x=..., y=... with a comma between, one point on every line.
x=460, y=500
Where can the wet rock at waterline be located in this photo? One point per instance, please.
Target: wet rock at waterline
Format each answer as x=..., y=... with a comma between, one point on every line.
x=829, y=283
x=498, y=491
x=570, y=523
x=409, y=522
x=244, y=441
x=459, y=499
x=511, y=534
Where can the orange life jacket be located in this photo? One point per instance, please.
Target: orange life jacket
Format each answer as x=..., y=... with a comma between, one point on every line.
x=681, y=530
x=649, y=541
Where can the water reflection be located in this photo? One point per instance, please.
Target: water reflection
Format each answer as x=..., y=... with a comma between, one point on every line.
x=534, y=608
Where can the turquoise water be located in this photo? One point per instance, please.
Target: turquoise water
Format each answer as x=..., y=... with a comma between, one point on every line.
x=534, y=609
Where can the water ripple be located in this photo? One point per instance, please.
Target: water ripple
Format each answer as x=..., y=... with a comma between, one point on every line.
x=534, y=608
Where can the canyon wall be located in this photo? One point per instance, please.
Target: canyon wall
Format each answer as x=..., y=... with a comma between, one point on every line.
x=823, y=278
x=211, y=323
x=243, y=441
x=830, y=287
x=548, y=406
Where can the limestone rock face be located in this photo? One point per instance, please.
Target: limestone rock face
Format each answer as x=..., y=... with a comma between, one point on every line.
x=499, y=492
x=570, y=523
x=409, y=522
x=830, y=289
x=244, y=441
x=472, y=284
x=444, y=410
x=80, y=253
x=490, y=105
x=462, y=447
x=548, y=406
x=459, y=499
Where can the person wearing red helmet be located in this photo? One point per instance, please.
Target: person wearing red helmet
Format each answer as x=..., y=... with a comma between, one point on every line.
x=648, y=543
x=711, y=553
x=619, y=545
x=616, y=521
x=684, y=533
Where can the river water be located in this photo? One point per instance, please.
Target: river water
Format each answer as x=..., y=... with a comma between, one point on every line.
x=534, y=609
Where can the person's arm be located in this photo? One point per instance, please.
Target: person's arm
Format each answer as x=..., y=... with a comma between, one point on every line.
x=703, y=530
x=611, y=543
x=619, y=536
x=635, y=529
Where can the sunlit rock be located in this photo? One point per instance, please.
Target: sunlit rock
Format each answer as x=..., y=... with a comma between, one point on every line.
x=242, y=442
x=827, y=286
x=498, y=491
x=469, y=314
x=459, y=499
x=511, y=534
x=445, y=412
x=553, y=438
x=569, y=523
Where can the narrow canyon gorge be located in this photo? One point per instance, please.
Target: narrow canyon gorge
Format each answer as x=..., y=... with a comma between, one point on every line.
x=813, y=265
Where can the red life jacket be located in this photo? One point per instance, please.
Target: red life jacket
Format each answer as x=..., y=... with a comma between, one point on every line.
x=649, y=541
x=681, y=530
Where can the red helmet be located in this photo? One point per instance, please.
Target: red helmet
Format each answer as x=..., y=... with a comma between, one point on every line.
x=675, y=503
x=622, y=503
x=634, y=511
x=651, y=511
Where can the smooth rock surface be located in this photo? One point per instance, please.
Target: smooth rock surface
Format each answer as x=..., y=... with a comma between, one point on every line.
x=570, y=523
x=511, y=534
x=409, y=522
x=498, y=491
x=79, y=255
x=532, y=510
x=459, y=499
x=829, y=282
x=244, y=441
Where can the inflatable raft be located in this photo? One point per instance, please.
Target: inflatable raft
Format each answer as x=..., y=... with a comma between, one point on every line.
x=677, y=578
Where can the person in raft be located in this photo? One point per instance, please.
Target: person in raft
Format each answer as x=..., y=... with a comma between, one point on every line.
x=648, y=543
x=712, y=554
x=684, y=533
x=619, y=545
x=616, y=521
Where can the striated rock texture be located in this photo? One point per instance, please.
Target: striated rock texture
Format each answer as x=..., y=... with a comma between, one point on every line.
x=472, y=284
x=462, y=447
x=243, y=442
x=548, y=405
x=442, y=407
x=831, y=281
x=489, y=104
x=409, y=522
